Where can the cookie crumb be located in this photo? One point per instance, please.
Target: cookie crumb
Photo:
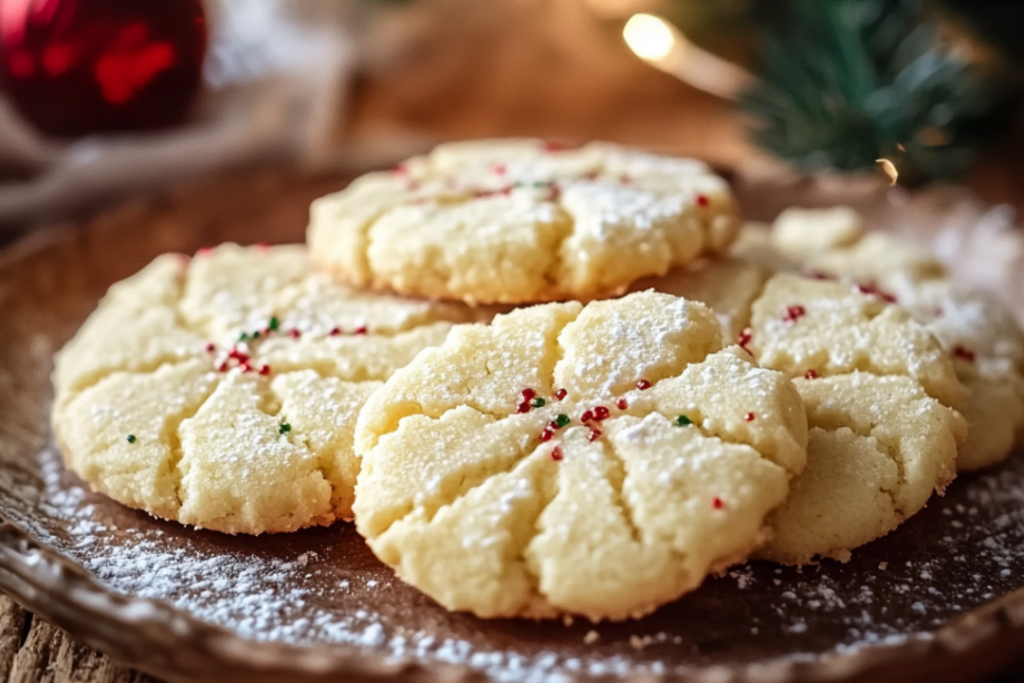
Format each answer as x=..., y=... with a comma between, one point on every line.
x=591, y=637
x=882, y=566
x=567, y=620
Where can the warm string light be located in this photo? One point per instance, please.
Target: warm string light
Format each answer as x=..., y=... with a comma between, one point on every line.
x=663, y=46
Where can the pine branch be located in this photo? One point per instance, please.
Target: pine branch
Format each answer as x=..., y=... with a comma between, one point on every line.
x=846, y=82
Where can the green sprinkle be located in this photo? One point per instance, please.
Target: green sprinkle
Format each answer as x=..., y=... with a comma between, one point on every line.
x=256, y=334
x=274, y=323
x=284, y=428
x=131, y=438
x=538, y=403
x=683, y=421
x=541, y=183
x=242, y=337
x=562, y=420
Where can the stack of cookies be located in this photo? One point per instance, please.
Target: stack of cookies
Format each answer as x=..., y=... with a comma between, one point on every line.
x=546, y=382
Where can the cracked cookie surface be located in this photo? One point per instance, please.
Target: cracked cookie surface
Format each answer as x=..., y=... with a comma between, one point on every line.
x=516, y=221
x=222, y=391
x=597, y=460
x=882, y=399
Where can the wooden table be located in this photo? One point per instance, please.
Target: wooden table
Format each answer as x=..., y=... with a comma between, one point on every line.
x=523, y=68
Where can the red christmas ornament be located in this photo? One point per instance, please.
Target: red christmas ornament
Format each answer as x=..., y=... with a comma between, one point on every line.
x=74, y=67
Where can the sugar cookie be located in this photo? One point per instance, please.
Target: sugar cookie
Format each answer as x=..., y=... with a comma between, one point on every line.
x=597, y=460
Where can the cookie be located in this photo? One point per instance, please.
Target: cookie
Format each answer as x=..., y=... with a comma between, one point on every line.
x=984, y=341
x=597, y=460
x=222, y=391
x=518, y=221
x=880, y=394
x=881, y=397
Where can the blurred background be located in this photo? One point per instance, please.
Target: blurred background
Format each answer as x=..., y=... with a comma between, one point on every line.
x=104, y=99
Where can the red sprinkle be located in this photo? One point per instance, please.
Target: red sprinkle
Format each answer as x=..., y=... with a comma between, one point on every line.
x=622, y=404
x=744, y=339
x=702, y=201
x=717, y=503
x=294, y=334
x=546, y=434
x=561, y=393
x=587, y=416
x=529, y=393
x=262, y=246
x=335, y=331
x=553, y=146
x=524, y=407
x=963, y=353
x=556, y=454
x=264, y=370
x=594, y=435
x=211, y=347
x=794, y=313
x=223, y=367
x=749, y=417
x=499, y=169
x=400, y=168
x=204, y=251
x=643, y=385
x=811, y=374
x=601, y=413
x=818, y=275
x=361, y=329
x=873, y=290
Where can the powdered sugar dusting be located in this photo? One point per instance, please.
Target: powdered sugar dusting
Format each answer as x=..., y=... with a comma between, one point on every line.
x=322, y=586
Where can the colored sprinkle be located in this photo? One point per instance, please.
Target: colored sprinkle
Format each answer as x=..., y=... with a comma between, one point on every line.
x=256, y=334
x=541, y=184
x=717, y=503
x=556, y=454
x=499, y=169
x=262, y=246
x=264, y=369
x=622, y=404
x=204, y=251
x=560, y=394
x=400, y=168
x=335, y=331
x=811, y=374
x=702, y=201
x=553, y=146
x=546, y=434
x=594, y=435
x=562, y=420
x=131, y=438
x=361, y=329
x=587, y=416
x=749, y=417
x=294, y=334
x=529, y=393
x=243, y=337
x=744, y=339
x=223, y=367
x=274, y=323
x=538, y=403
x=284, y=428
x=524, y=407
x=794, y=313
x=643, y=385
x=683, y=421
x=601, y=413
x=875, y=291
x=211, y=347
x=963, y=353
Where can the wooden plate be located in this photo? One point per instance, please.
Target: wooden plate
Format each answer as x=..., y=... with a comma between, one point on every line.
x=942, y=597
